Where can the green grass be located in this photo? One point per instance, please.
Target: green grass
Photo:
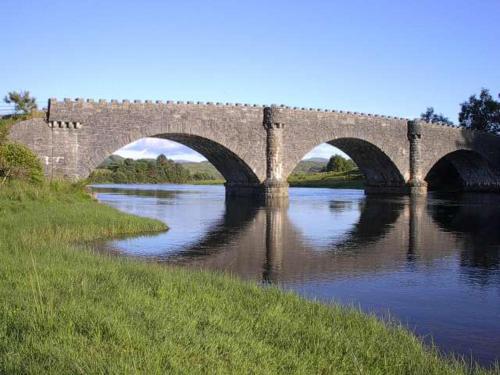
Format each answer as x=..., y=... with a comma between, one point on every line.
x=207, y=182
x=336, y=180
x=339, y=180
x=66, y=309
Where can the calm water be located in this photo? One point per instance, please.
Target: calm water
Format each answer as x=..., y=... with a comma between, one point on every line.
x=432, y=263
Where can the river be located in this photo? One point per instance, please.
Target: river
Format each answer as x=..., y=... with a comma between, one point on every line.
x=433, y=263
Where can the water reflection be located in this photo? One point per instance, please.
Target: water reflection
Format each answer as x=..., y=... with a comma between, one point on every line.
x=433, y=263
x=476, y=220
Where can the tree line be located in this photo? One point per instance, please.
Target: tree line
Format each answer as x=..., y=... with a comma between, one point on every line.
x=152, y=171
x=476, y=113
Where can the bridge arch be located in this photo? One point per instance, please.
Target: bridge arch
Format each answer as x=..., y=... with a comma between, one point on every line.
x=462, y=170
x=231, y=166
x=376, y=166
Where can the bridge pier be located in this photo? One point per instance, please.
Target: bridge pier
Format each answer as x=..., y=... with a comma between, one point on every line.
x=239, y=189
x=275, y=187
x=416, y=184
x=386, y=189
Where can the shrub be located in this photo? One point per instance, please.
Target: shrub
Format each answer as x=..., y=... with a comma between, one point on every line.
x=101, y=176
x=17, y=162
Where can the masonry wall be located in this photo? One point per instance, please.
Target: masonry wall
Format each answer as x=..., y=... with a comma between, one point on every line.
x=79, y=134
x=230, y=136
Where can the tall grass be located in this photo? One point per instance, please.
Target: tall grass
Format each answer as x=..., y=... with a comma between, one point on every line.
x=65, y=309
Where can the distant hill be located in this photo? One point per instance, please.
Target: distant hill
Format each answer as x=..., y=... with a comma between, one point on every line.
x=312, y=165
x=111, y=160
x=201, y=167
x=182, y=161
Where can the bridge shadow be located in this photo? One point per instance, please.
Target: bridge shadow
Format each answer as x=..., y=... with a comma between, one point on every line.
x=475, y=221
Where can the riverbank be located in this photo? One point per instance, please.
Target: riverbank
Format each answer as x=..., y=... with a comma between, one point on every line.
x=66, y=309
x=334, y=180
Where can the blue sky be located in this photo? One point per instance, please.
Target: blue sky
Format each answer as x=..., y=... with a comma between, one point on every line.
x=386, y=57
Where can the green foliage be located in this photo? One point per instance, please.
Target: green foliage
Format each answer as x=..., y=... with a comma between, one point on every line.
x=116, y=169
x=338, y=163
x=5, y=125
x=17, y=162
x=161, y=170
x=337, y=180
x=103, y=176
x=481, y=113
x=22, y=100
x=202, y=176
x=67, y=309
x=203, y=168
x=312, y=165
x=110, y=161
x=430, y=116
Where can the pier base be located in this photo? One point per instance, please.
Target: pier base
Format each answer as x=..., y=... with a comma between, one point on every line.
x=269, y=193
x=409, y=189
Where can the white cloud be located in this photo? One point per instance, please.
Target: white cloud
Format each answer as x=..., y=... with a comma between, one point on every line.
x=148, y=148
x=325, y=151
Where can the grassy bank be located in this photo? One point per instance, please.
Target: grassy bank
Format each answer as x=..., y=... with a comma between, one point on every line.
x=65, y=309
x=335, y=180
x=339, y=180
x=208, y=182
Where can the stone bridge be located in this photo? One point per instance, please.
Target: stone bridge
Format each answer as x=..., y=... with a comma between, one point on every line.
x=256, y=148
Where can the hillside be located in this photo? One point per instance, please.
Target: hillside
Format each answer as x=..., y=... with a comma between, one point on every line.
x=308, y=166
x=203, y=167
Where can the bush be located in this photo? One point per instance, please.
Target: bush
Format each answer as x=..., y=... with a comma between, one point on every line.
x=101, y=176
x=17, y=162
x=338, y=163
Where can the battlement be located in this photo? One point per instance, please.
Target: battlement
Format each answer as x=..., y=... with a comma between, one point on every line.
x=69, y=104
x=65, y=124
x=66, y=107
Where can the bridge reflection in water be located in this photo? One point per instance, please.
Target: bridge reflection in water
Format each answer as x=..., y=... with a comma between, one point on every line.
x=434, y=263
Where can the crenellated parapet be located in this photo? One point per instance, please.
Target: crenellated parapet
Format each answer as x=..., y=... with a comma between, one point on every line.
x=68, y=105
x=65, y=124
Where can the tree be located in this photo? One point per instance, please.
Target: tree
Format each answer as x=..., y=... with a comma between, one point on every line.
x=161, y=159
x=481, y=113
x=17, y=162
x=23, y=102
x=338, y=163
x=430, y=116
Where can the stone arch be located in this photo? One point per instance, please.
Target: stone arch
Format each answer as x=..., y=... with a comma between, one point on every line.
x=463, y=170
x=232, y=167
x=377, y=167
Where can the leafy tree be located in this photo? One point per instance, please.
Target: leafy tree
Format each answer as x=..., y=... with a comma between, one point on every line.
x=142, y=171
x=338, y=163
x=481, y=113
x=17, y=162
x=161, y=159
x=22, y=100
x=430, y=116
x=202, y=176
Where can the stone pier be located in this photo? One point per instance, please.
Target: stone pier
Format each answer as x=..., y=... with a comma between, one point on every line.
x=416, y=183
x=275, y=185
